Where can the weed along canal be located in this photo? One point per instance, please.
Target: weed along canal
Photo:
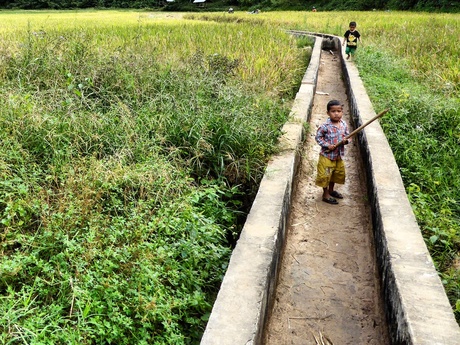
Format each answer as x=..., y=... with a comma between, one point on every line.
x=306, y=271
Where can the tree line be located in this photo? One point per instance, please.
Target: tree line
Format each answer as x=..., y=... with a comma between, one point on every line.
x=325, y=5
x=366, y=5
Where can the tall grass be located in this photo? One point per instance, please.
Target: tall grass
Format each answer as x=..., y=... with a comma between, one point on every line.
x=167, y=40
x=128, y=143
x=433, y=58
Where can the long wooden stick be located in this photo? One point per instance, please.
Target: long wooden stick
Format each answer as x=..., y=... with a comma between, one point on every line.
x=360, y=128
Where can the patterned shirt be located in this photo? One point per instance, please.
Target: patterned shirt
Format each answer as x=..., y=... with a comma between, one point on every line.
x=331, y=134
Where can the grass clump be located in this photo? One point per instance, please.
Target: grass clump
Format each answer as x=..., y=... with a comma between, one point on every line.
x=112, y=257
x=124, y=169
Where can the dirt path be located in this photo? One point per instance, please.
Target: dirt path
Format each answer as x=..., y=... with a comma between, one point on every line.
x=328, y=283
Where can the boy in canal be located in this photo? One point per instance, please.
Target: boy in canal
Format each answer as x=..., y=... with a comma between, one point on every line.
x=352, y=36
x=331, y=137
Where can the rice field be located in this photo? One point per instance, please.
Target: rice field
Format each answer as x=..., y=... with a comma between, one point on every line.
x=406, y=35
x=132, y=143
x=131, y=139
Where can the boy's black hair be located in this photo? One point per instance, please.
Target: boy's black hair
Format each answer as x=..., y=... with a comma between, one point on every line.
x=330, y=104
x=352, y=24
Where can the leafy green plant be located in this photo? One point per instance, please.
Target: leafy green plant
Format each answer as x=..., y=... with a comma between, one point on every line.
x=126, y=166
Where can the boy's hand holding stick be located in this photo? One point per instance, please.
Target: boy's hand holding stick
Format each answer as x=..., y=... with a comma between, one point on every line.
x=360, y=128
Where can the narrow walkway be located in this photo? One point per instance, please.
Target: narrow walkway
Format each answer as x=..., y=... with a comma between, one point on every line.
x=328, y=286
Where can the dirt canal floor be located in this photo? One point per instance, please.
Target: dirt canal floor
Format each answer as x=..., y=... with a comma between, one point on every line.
x=328, y=290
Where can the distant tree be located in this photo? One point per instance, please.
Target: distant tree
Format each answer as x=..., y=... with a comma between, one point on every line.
x=402, y=4
x=321, y=5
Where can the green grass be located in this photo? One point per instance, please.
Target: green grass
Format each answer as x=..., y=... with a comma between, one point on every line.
x=129, y=149
x=130, y=140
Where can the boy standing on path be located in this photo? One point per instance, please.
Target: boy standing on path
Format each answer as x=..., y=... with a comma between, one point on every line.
x=352, y=36
x=331, y=168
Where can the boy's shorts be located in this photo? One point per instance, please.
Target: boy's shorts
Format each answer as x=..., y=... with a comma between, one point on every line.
x=350, y=50
x=330, y=171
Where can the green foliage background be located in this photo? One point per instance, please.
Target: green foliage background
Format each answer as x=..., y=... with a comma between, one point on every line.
x=123, y=169
x=185, y=5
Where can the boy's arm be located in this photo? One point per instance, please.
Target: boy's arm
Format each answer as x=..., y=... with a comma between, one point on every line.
x=346, y=133
x=319, y=137
x=320, y=134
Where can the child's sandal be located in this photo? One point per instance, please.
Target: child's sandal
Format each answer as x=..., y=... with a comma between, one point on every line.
x=331, y=201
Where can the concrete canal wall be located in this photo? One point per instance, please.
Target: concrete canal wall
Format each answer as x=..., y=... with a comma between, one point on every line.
x=417, y=308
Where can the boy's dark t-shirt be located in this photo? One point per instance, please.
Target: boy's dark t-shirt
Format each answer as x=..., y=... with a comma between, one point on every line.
x=352, y=38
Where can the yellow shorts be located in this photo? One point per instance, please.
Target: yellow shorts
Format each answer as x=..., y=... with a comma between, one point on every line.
x=330, y=171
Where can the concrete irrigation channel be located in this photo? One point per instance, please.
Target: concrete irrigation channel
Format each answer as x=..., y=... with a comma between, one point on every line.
x=306, y=272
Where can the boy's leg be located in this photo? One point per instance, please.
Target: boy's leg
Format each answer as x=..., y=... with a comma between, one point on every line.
x=338, y=176
x=323, y=178
x=331, y=187
x=328, y=198
x=323, y=175
x=334, y=193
